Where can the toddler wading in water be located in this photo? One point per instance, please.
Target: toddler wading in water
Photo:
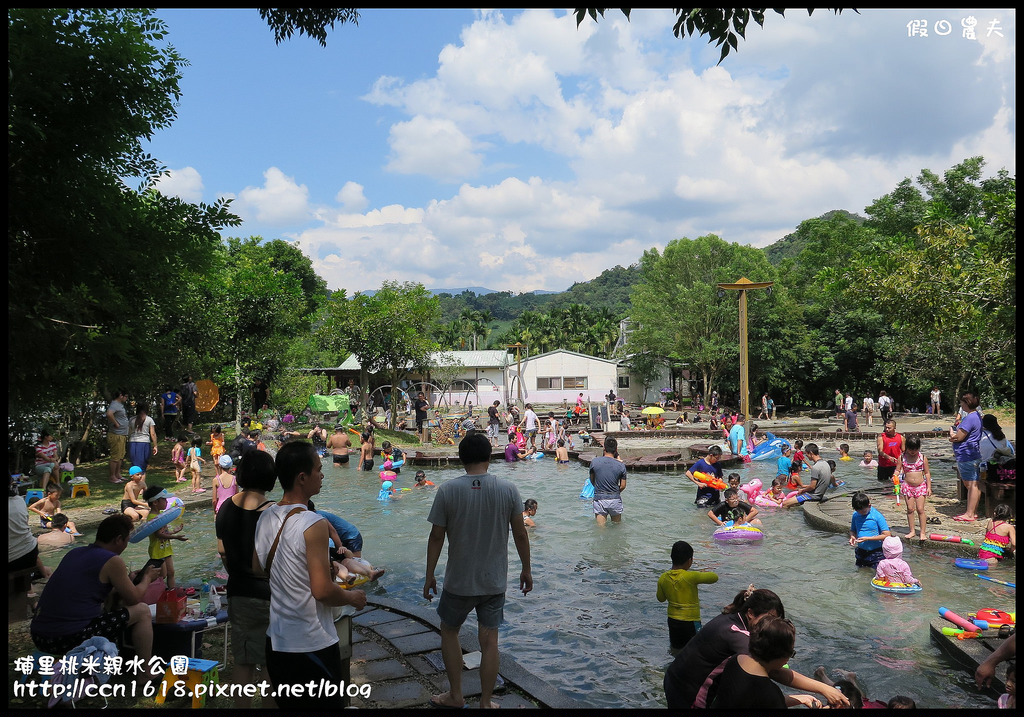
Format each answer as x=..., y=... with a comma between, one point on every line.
x=915, y=484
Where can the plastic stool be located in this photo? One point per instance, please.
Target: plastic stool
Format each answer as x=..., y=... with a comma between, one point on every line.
x=66, y=475
x=33, y=494
x=200, y=672
x=80, y=489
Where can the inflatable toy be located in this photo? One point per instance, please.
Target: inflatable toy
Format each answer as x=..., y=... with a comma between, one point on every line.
x=969, y=564
x=765, y=501
x=752, y=489
x=770, y=449
x=534, y=456
x=710, y=481
x=993, y=580
x=149, y=527
x=730, y=533
x=957, y=620
x=360, y=579
x=951, y=539
x=993, y=617
x=588, y=490
x=898, y=588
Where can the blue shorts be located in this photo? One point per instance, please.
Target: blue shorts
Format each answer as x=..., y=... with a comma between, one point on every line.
x=968, y=470
x=453, y=609
x=804, y=497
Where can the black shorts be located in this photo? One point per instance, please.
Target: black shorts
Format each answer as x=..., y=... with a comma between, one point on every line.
x=110, y=625
x=340, y=459
x=680, y=632
x=368, y=465
x=885, y=473
x=299, y=668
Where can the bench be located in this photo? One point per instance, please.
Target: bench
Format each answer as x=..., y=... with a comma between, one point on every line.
x=996, y=492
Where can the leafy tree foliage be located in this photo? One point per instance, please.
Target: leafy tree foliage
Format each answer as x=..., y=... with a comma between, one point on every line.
x=96, y=269
x=308, y=21
x=388, y=332
x=721, y=25
x=678, y=314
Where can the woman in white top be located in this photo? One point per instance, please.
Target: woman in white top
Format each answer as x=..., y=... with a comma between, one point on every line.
x=142, y=438
x=995, y=447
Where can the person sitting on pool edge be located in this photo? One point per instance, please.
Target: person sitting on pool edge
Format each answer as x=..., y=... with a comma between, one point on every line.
x=821, y=478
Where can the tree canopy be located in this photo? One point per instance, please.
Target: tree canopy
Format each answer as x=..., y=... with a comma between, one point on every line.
x=720, y=25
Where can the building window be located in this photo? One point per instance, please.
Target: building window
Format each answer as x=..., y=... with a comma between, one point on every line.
x=623, y=381
x=544, y=384
x=571, y=382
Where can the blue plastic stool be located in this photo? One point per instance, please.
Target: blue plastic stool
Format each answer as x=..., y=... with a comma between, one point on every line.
x=32, y=495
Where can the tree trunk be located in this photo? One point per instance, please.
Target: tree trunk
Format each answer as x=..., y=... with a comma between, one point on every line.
x=238, y=397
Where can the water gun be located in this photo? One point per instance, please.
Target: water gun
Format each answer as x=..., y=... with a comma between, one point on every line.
x=710, y=481
x=951, y=539
x=957, y=620
x=959, y=634
x=896, y=487
x=993, y=580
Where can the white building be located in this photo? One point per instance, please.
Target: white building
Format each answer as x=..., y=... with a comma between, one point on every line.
x=562, y=375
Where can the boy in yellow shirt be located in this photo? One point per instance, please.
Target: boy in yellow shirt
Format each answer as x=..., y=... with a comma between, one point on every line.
x=679, y=587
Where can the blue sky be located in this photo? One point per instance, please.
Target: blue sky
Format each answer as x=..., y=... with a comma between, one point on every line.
x=513, y=150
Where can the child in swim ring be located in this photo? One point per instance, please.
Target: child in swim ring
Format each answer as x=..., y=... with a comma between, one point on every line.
x=1000, y=535
x=775, y=493
x=160, y=540
x=894, y=569
x=387, y=473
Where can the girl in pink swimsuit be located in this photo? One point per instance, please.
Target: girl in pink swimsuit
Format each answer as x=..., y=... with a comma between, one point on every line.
x=915, y=483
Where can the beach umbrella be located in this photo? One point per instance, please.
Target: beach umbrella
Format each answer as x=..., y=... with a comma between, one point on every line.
x=653, y=410
x=208, y=395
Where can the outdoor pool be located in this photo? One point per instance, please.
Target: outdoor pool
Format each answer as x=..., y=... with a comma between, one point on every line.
x=592, y=625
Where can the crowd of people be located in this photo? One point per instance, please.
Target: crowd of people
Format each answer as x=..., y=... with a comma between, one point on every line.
x=280, y=605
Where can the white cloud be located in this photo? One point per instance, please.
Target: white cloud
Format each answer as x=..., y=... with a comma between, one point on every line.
x=186, y=184
x=578, y=149
x=281, y=201
x=434, y=147
x=351, y=197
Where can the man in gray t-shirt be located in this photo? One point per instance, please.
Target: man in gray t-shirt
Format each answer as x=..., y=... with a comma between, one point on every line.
x=117, y=434
x=821, y=478
x=608, y=476
x=475, y=513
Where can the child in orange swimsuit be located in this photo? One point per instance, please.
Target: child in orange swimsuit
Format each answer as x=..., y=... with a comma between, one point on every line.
x=216, y=444
x=915, y=483
x=1000, y=536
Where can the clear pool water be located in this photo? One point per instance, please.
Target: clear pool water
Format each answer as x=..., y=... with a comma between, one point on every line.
x=593, y=626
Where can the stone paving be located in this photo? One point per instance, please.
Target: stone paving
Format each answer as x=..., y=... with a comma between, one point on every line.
x=397, y=650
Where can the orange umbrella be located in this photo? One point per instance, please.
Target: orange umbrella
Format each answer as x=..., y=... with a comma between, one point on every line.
x=208, y=395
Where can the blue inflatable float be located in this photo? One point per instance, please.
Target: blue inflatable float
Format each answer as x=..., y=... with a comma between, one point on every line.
x=770, y=449
x=588, y=490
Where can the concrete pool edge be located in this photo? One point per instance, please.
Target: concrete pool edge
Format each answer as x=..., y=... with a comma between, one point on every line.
x=509, y=669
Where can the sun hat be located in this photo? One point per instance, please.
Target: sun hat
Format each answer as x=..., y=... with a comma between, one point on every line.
x=225, y=461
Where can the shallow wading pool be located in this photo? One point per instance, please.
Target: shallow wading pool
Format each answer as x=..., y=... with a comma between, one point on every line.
x=593, y=627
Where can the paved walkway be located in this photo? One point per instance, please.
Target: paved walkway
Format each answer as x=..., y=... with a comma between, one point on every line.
x=397, y=650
